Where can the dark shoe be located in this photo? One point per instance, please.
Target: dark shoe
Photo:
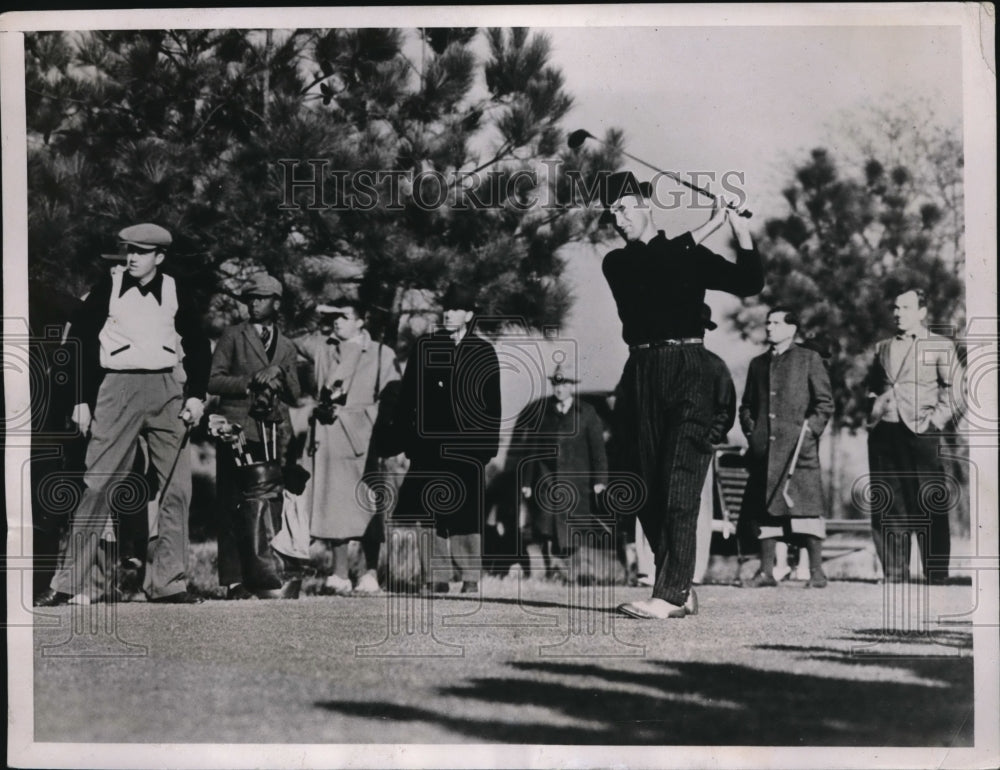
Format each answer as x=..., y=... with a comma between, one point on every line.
x=691, y=605
x=817, y=580
x=238, y=593
x=183, y=597
x=52, y=598
x=760, y=580
x=470, y=587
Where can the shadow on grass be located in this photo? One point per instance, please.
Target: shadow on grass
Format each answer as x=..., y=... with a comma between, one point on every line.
x=695, y=703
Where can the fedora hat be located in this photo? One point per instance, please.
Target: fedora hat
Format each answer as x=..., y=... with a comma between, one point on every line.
x=563, y=373
x=458, y=297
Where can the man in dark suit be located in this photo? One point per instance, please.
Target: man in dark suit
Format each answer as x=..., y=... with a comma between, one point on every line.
x=252, y=357
x=786, y=404
x=448, y=422
x=564, y=448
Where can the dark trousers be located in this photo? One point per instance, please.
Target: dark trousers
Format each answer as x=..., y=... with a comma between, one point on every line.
x=910, y=495
x=663, y=417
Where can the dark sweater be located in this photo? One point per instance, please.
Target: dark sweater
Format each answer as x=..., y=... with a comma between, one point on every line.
x=660, y=286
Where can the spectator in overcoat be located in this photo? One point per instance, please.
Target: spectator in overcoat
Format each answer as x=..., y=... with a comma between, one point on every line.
x=448, y=422
x=566, y=468
x=786, y=405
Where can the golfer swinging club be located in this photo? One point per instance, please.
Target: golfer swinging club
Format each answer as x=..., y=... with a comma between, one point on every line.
x=664, y=410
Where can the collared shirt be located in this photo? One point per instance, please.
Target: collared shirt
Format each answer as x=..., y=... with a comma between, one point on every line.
x=914, y=384
x=155, y=285
x=564, y=406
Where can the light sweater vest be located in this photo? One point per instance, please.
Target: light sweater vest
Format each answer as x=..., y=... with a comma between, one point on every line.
x=140, y=332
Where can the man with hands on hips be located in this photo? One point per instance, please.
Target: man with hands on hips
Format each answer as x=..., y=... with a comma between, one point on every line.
x=131, y=322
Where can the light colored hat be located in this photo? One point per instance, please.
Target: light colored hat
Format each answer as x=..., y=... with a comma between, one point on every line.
x=145, y=236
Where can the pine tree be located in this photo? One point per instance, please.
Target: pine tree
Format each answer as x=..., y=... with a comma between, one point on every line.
x=198, y=129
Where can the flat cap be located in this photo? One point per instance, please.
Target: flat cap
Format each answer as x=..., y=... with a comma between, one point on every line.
x=262, y=285
x=147, y=235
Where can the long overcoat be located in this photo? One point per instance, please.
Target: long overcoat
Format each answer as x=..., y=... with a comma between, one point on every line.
x=447, y=421
x=563, y=449
x=338, y=500
x=783, y=391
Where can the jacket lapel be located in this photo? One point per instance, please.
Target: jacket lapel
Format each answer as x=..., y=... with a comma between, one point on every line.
x=254, y=343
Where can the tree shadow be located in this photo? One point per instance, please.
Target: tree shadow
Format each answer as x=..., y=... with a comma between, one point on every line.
x=700, y=703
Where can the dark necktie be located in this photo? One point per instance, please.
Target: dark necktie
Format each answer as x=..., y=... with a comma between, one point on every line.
x=265, y=336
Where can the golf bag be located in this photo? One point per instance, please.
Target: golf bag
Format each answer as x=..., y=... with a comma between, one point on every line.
x=260, y=497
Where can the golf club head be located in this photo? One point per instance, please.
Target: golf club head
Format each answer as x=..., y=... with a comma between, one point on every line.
x=577, y=138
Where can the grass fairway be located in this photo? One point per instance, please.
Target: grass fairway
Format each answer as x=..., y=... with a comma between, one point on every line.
x=784, y=667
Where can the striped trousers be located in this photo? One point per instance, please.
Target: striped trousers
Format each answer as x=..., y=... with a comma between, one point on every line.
x=663, y=417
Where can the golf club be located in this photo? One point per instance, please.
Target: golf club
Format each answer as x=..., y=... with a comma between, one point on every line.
x=578, y=137
x=795, y=459
x=170, y=476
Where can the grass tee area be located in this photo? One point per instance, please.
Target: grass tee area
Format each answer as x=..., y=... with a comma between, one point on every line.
x=528, y=662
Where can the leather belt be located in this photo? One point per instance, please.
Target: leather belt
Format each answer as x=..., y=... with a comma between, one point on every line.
x=667, y=343
x=167, y=370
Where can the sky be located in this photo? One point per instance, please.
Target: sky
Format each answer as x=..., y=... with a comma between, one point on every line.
x=748, y=99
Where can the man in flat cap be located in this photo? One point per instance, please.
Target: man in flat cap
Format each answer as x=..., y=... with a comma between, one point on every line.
x=664, y=410
x=351, y=374
x=131, y=322
x=565, y=447
x=252, y=360
x=448, y=422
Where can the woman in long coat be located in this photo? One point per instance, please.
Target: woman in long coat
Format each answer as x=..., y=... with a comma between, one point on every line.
x=356, y=369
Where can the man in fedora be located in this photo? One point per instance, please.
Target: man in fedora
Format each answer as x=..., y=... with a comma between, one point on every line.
x=131, y=322
x=664, y=411
x=566, y=446
x=448, y=423
x=252, y=359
